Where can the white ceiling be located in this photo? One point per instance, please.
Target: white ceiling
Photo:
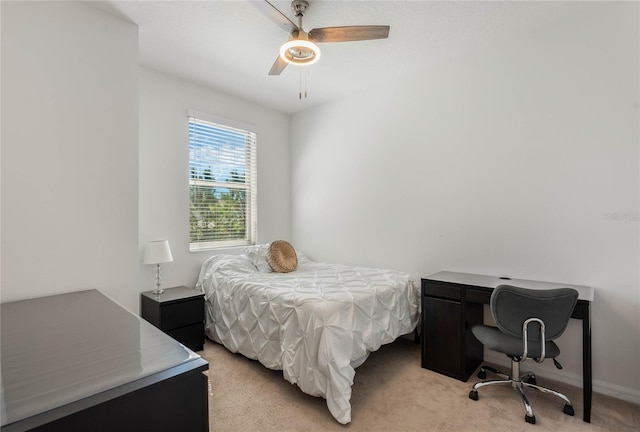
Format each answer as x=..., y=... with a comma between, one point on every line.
x=230, y=45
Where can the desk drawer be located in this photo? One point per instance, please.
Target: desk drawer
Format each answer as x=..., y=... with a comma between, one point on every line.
x=440, y=290
x=478, y=295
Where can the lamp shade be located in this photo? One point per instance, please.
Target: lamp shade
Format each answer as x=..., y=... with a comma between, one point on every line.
x=157, y=252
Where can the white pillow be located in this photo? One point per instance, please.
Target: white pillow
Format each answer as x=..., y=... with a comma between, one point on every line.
x=258, y=256
x=302, y=258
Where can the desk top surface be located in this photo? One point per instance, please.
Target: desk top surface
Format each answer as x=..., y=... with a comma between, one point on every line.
x=584, y=292
x=66, y=348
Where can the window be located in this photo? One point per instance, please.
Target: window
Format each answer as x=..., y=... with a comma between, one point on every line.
x=222, y=183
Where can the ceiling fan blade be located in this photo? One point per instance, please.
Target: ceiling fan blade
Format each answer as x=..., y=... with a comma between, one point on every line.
x=271, y=12
x=278, y=66
x=348, y=33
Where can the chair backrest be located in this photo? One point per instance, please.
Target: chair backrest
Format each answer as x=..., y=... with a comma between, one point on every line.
x=512, y=306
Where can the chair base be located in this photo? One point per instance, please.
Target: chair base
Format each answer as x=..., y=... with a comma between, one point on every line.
x=519, y=383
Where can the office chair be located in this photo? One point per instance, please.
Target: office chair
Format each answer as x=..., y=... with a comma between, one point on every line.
x=528, y=321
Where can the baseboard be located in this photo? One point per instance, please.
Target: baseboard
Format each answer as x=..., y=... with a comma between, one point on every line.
x=608, y=389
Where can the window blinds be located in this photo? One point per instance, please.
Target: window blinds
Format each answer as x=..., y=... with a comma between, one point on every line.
x=222, y=185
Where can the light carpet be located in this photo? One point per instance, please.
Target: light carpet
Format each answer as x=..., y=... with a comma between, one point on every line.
x=391, y=392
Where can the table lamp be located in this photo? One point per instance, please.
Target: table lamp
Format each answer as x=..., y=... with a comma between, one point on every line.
x=157, y=252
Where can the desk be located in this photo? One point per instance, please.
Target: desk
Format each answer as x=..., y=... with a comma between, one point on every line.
x=452, y=303
x=79, y=361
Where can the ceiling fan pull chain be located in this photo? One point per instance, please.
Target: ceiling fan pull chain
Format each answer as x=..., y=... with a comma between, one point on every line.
x=300, y=86
x=305, y=84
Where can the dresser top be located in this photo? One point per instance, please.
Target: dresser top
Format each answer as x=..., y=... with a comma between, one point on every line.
x=66, y=348
x=584, y=292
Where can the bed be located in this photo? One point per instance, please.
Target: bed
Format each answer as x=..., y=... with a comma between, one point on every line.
x=316, y=324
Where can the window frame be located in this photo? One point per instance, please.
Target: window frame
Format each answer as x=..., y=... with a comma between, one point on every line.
x=249, y=185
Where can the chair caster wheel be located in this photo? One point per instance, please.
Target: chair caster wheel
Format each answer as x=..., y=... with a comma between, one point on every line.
x=531, y=419
x=532, y=380
x=482, y=374
x=473, y=394
x=568, y=409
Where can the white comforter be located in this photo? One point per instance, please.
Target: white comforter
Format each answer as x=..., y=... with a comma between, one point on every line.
x=316, y=324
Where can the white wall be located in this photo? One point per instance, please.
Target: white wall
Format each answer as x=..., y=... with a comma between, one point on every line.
x=520, y=160
x=69, y=152
x=164, y=170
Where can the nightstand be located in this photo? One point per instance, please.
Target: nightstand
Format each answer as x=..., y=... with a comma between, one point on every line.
x=179, y=312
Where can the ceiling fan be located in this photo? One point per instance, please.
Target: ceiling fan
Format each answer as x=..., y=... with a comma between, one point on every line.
x=302, y=48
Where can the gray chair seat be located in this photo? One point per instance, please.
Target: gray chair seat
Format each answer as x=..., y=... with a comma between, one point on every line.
x=494, y=339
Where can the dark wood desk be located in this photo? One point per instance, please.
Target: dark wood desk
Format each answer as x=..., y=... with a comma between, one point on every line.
x=453, y=302
x=79, y=361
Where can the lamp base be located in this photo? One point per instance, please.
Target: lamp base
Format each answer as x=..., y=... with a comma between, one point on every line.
x=158, y=290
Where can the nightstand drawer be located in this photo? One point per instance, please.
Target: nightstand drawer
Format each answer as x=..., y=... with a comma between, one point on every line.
x=191, y=336
x=181, y=314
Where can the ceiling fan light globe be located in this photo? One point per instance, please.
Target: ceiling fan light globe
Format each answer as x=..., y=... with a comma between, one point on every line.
x=300, y=52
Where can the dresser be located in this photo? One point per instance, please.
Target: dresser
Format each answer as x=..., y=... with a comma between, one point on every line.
x=80, y=362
